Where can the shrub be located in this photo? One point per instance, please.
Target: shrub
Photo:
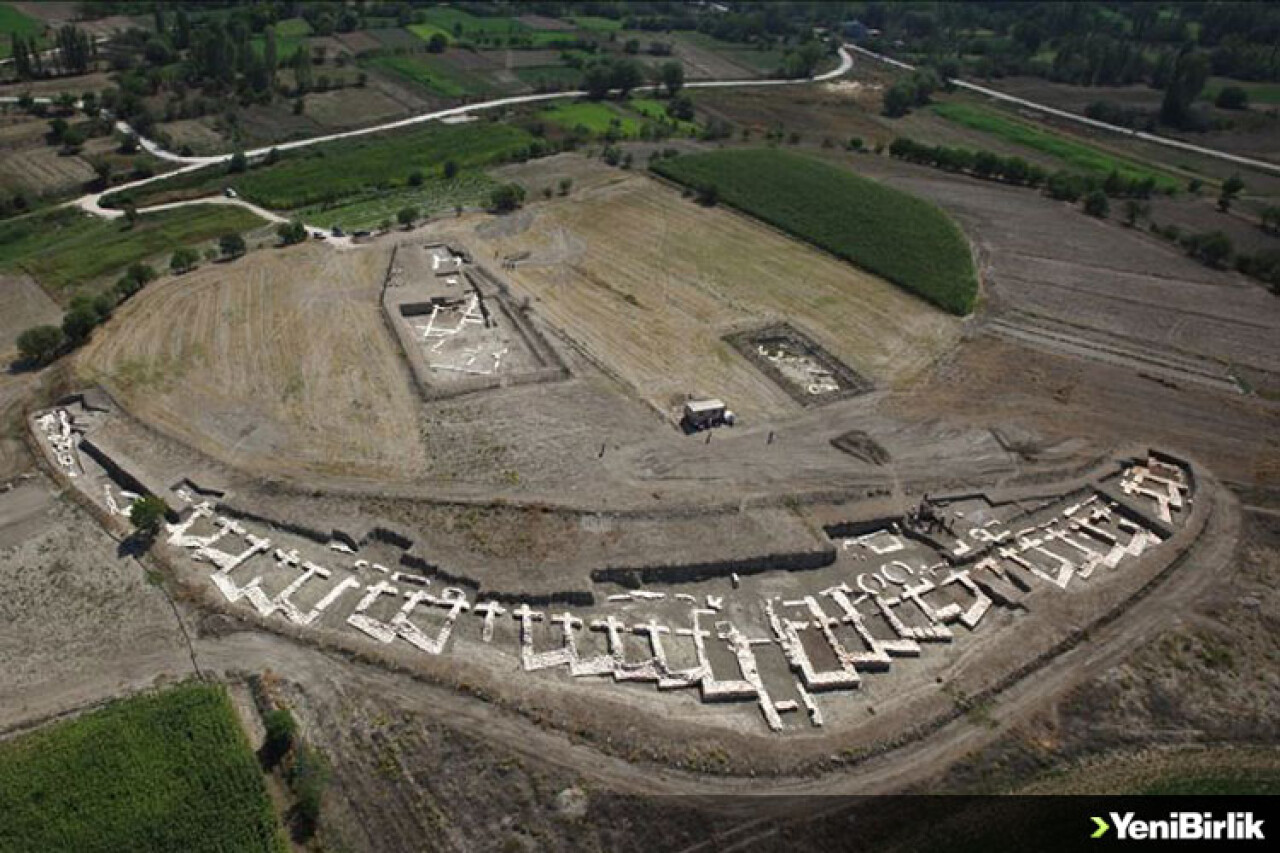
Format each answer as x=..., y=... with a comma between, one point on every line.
x=1095, y=204
x=1232, y=98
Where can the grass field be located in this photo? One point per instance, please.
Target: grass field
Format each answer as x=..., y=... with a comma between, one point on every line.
x=1259, y=93
x=436, y=196
x=655, y=110
x=594, y=116
x=894, y=235
x=162, y=772
x=291, y=34
x=14, y=23
x=64, y=248
x=1071, y=152
x=433, y=73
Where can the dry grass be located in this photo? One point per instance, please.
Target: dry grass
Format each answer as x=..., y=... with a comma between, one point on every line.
x=649, y=283
x=281, y=357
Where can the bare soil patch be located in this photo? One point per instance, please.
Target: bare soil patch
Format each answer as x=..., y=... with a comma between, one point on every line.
x=22, y=305
x=283, y=355
x=648, y=284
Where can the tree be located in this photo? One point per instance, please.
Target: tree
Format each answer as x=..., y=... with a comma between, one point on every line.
x=146, y=513
x=672, y=76
x=437, y=43
x=291, y=232
x=238, y=163
x=407, y=216
x=626, y=75
x=130, y=215
x=680, y=108
x=416, y=178
x=40, y=344
x=1231, y=188
x=450, y=169
x=596, y=79
x=129, y=144
x=1210, y=249
x=566, y=184
x=708, y=195
x=1190, y=73
x=1232, y=98
x=506, y=198
x=1096, y=204
x=79, y=322
x=898, y=99
x=184, y=260
x=232, y=245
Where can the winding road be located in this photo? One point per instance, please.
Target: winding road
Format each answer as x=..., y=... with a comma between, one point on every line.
x=92, y=203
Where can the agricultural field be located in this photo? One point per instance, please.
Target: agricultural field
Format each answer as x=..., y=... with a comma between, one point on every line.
x=158, y=772
x=15, y=23
x=434, y=197
x=438, y=74
x=66, y=250
x=457, y=25
x=650, y=284
x=291, y=34
x=549, y=76
x=1073, y=153
x=597, y=117
x=852, y=217
x=293, y=343
x=346, y=169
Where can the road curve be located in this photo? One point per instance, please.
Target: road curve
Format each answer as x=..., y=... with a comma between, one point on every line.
x=92, y=202
x=1261, y=165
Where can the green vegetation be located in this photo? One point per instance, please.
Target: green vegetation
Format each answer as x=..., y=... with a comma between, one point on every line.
x=432, y=72
x=1244, y=782
x=550, y=77
x=1259, y=93
x=14, y=23
x=894, y=235
x=433, y=197
x=596, y=117
x=64, y=248
x=656, y=110
x=349, y=168
x=161, y=772
x=593, y=24
x=1081, y=155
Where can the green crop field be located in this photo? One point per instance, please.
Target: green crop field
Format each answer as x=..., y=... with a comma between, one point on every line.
x=594, y=116
x=338, y=172
x=892, y=234
x=1071, y=152
x=436, y=196
x=444, y=19
x=329, y=173
x=593, y=24
x=65, y=248
x=162, y=772
x=14, y=23
x=434, y=73
x=291, y=34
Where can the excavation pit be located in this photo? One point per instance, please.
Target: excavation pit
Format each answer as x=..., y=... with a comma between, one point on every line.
x=799, y=365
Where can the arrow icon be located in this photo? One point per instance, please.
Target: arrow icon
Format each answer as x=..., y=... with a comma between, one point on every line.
x=1102, y=828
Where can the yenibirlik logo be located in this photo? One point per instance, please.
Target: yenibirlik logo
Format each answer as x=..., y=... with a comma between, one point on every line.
x=1182, y=826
